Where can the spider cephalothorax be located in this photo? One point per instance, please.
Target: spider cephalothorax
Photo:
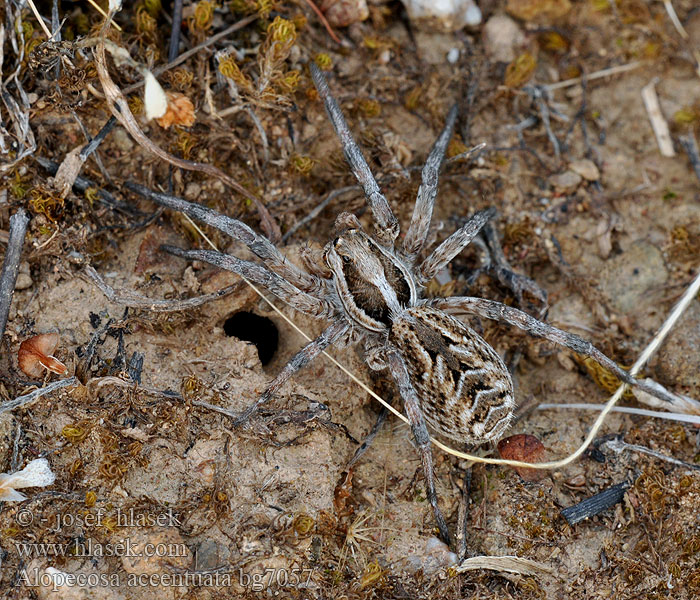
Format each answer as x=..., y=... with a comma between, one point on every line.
x=370, y=290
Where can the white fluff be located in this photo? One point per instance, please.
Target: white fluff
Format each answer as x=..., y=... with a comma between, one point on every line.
x=448, y=14
x=36, y=474
x=155, y=100
x=115, y=6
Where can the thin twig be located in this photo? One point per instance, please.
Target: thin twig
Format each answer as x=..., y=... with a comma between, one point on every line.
x=36, y=394
x=40, y=19
x=325, y=22
x=100, y=10
x=658, y=123
x=682, y=417
x=175, y=30
x=596, y=75
x=10, y=265
x=618, y=445
x=675, y=20
x=99, y=138
x=690, y=146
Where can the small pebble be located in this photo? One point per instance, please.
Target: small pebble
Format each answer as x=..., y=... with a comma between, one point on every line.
x=565, y=182
x=586, y=169
x=635, y=278
x=193, y=190
x=453, y=56
x=24, y=281
x=678, y=361
x=122, y=140
x=503, y=38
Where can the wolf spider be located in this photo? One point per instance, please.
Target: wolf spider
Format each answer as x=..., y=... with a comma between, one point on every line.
x=449, y=378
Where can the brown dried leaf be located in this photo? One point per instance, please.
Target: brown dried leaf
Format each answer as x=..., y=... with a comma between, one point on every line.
x=34, y=355
x=180, y=111
x=525, y=448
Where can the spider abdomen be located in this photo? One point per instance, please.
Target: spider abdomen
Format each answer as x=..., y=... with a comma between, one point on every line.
x=465, y=389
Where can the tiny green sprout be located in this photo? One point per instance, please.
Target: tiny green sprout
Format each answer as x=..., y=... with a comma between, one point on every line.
x=669, y=195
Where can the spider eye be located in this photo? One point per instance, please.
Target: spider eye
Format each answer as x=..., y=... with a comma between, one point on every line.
x=346, y=259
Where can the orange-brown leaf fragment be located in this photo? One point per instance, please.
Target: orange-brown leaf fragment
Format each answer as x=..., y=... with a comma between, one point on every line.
x=525, y=448
x=35, y=355
x=180, y=111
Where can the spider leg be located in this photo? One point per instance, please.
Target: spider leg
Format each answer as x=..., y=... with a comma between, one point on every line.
x=453, y=245
x=258, y=244
x=387, y=224
x=507, y=277
x=259, y=275
x=496, y=311
x=296, y=363
x=423, y=210
x=399, y=372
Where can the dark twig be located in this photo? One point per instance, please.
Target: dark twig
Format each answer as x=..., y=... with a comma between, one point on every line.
x=690, y=146
x=595, y=504
x=10, y=266
x=56, y=31
x=36, y=394
x=99, y=138
x=175, y=30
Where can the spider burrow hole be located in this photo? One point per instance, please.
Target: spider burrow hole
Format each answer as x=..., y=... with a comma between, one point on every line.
x=261, y=331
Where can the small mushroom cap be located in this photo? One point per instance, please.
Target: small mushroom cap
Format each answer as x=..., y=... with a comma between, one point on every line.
x=34, y=355
x=524, y=448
